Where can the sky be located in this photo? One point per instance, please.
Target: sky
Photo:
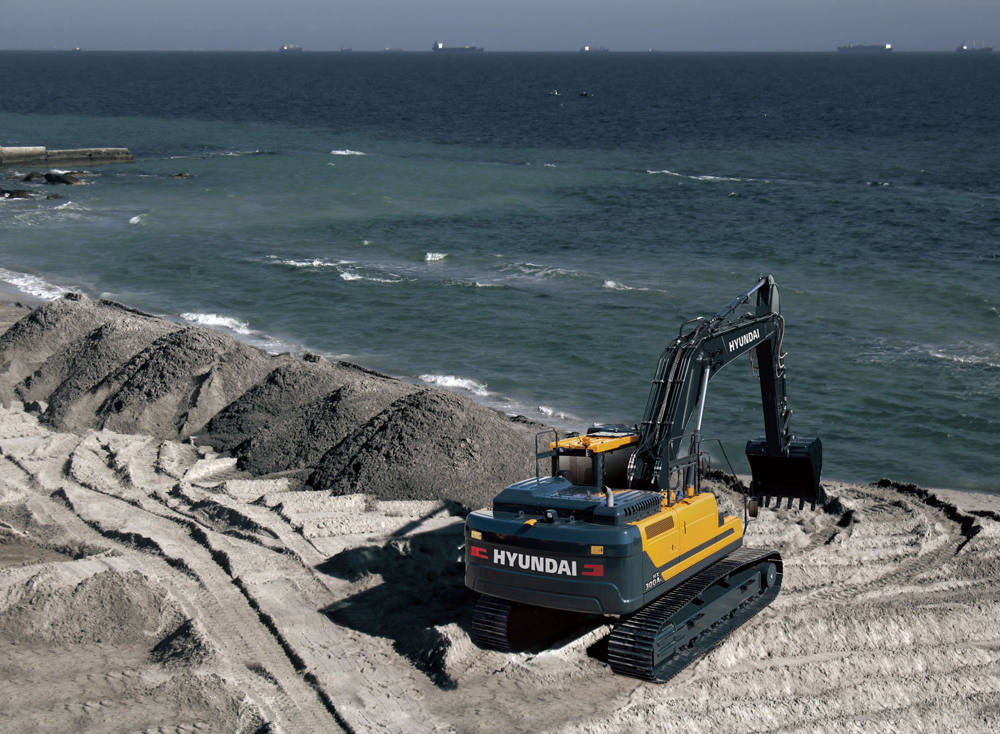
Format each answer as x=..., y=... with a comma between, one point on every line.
x=497, y=25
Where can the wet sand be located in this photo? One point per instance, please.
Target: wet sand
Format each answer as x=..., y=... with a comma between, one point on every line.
x=197, y=536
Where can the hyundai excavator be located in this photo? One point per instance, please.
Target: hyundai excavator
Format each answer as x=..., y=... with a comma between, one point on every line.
x=621, y=527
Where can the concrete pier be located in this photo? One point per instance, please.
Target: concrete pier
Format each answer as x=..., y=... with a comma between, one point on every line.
x=40, y=156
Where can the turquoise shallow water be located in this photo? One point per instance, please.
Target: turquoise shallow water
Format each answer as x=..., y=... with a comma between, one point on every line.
x=449, y=220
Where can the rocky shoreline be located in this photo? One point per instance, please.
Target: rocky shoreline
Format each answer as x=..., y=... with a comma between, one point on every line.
x=198, y=536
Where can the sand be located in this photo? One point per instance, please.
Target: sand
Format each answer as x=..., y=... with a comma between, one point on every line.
x=197, y=536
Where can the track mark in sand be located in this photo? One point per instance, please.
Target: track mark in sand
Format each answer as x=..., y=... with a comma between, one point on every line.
x=223, y=607
x=937, y=529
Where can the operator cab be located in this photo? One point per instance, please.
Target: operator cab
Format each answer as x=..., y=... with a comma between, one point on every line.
x=598, y=459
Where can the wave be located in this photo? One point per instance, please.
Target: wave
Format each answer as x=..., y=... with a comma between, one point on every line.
x=33, y=285
x=318, y=262
x=349, y=276
x=433, y=257
x=541, y=271
x=452, y=382
x=347, y=151
x=549, y=412
x=138, y=219
x=967, y=359
x=72, y=206
x=613, y=285
x=704, y=178
x=214, y=319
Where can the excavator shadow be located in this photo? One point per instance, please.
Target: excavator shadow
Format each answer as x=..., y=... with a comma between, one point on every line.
x=410, y=590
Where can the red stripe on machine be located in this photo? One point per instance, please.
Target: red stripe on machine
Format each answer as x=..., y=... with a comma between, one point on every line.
x=592, y=569
x=478, y=552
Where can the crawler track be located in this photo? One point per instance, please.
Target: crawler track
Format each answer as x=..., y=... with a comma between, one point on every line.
x=632, y=645
x=498, y=624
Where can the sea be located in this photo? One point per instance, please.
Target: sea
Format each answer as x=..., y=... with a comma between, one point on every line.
x=454, y=221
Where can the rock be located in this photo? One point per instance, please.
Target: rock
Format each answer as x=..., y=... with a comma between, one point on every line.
x=33, y=176
x=16, y=194
x=182, y=175
x=62, y=178
x=55, y=196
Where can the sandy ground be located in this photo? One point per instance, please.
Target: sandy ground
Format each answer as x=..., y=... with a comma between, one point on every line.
x=149, y=584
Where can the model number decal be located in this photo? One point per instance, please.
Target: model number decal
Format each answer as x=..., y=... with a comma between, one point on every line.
x=656, y=580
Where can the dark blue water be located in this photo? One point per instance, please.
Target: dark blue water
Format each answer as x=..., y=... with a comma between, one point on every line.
x=449, y=218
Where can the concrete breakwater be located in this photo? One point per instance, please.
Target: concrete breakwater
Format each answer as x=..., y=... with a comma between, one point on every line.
x=38, y=155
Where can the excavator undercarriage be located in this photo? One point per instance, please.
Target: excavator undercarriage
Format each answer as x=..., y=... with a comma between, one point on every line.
x=620, y=525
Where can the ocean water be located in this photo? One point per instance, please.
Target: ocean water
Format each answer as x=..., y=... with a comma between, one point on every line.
x=450, y=221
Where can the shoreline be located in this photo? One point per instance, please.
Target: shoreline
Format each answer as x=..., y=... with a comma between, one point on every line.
x=10, y=293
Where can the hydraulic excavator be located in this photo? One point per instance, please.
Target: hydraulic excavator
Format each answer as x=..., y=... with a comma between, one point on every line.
x=620, y=526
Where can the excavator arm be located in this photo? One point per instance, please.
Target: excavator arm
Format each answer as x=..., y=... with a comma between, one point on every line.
x=666, y=454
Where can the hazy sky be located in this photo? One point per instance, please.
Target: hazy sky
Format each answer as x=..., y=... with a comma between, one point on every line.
x=498, y=25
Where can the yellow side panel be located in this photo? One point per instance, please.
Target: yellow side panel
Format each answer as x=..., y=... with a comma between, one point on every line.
x=688, y=526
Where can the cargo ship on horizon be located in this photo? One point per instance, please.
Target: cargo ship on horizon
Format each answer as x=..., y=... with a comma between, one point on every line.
x=974, y=49
x=290, y=48
x=878, y=48
x=454, y=49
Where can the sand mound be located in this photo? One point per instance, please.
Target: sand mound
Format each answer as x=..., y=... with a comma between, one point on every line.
x=289, y=386
x=302, y=437
x=51, y=327
x=84, y=602
x=66, y=379
x=431, y=445
x=186, y=645
x=174, y=386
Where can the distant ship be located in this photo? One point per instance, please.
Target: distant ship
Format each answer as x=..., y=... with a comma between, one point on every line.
x=974, y=49
x=454, y=49
x=879, y=48
x=290, y=48
x=594, y=49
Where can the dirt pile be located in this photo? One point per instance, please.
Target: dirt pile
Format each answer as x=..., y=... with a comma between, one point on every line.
x=51, y=328
x=82, y=365
x=299, y=412
x=431, y=444
x=84, y=602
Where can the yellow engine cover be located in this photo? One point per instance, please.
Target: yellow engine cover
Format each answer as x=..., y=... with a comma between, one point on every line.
x=685, y=533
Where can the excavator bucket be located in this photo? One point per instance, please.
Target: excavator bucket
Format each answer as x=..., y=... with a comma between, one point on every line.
x=794, y=475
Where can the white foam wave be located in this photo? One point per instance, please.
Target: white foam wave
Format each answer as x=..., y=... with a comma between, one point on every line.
x=701, y=178
x=548, y=165
x=550, y=412
x=213, y=319
x=452, y=382
x=347, y=151
x=33, y=285
x=349, y=276
x=541, y=271
x=433, y=257
x=72, y=206
x=314, y=263
x=613, y=285
x=138, y=219
x=966, y=359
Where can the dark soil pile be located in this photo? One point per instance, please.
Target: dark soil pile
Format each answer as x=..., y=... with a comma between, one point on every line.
x=302, y=436
x=49, y=329
x=173, y=387
x=431, y=445
x=66, y=380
